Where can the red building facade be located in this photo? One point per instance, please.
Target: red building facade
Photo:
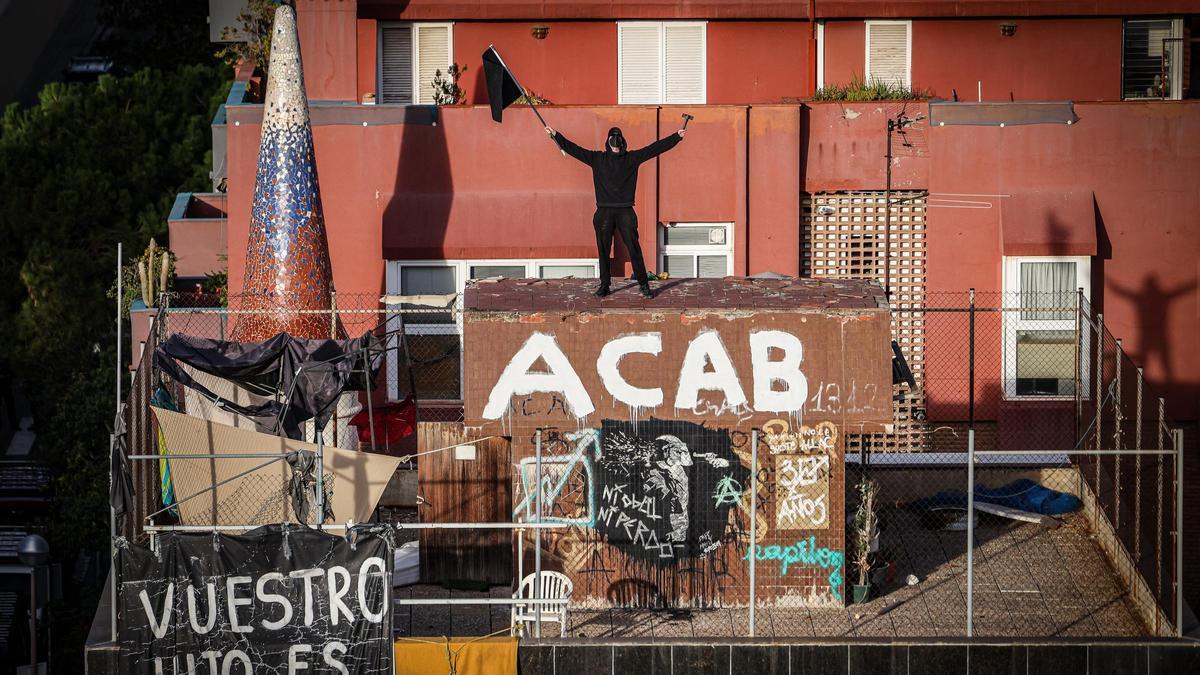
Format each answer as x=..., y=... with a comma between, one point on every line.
x=419, y=200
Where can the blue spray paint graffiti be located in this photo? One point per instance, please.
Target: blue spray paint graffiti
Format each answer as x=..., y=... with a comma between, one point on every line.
x=804, y=552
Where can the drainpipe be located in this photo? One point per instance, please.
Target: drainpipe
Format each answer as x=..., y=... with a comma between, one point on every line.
x=812, y=47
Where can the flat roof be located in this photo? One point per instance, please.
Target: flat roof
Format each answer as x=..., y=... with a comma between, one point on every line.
x=728, y=293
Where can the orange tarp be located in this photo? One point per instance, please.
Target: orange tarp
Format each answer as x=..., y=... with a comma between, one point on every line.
x=461, y=656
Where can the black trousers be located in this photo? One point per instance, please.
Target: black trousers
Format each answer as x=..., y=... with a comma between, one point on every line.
x=624, y=221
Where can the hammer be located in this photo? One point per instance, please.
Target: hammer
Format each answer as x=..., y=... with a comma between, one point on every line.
x=687, y=118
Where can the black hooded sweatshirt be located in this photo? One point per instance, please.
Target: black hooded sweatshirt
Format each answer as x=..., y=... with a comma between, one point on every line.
x=615, y=173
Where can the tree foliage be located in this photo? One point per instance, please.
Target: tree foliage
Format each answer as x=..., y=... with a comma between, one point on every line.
x=89, y=166
x=251, y=40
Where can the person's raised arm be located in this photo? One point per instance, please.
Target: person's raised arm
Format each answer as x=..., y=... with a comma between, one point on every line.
x=570, y=148
x=656, y=148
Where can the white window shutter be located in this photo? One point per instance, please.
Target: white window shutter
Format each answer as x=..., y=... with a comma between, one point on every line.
x=396, y=64
x=684, y=69
x=887, y=52
x=433, y=54
x=640, y=77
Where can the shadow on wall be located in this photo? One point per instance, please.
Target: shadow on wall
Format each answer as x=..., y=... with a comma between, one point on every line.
x=416, y=218
x=1152, y=303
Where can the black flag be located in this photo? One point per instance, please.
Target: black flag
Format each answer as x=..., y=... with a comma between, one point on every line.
x=502, y=87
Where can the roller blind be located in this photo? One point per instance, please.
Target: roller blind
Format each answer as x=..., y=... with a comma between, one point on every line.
x=712, y=265
x=640, y=79
x=887, y=52
x=433, y=54
x=684, y=67
x=396, y=65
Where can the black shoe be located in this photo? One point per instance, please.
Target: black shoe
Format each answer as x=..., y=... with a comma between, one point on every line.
x=602, y=291
x=646, y=292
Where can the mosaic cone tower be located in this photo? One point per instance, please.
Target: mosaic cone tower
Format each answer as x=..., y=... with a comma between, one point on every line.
x=288, y=272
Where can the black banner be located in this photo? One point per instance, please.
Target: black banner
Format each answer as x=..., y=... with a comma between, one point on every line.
x=268, y=601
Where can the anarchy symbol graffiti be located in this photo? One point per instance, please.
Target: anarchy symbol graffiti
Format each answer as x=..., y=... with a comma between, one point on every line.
x=728, y=491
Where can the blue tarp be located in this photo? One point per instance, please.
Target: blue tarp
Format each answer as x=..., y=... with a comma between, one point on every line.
x=1023, y=494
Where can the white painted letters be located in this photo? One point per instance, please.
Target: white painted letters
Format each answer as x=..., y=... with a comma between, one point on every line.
x=785, y=370
x=264, y=596
x=212, y=608
x=363, y=578
x=231, y=599
x=706, y=348
x=608, y=368
x=516, y=378
x=159, y=627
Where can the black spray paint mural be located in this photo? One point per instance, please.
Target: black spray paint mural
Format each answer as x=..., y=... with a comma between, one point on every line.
x=668, y=496
x=665, y=488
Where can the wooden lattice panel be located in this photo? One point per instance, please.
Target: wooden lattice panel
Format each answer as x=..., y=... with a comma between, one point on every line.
x=843, y=237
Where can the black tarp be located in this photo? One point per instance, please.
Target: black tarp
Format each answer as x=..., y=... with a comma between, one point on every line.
x=307, y=374
x=120, y=483
x=258, y=599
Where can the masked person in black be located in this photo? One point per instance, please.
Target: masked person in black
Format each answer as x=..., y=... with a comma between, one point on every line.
x=614, y=173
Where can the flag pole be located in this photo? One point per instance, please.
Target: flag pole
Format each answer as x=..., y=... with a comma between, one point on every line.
x=528, y=99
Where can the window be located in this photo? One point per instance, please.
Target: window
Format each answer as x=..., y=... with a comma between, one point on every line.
x=1152, y=59
x=1040, y=350
x=409, y=56
x=585, y=271
x=493, y=271
x=889, y=52
x=434, y=343
x=661, y=62
x=695, y=249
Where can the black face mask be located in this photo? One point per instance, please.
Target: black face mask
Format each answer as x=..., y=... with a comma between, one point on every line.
x=616, y=139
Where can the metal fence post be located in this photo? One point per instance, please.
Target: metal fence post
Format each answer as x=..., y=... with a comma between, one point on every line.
x=1078, y=366
x=112, y=513
x=1137, y=472
x=1178, y=437
x=537, y=549
x=1099, y=401
x=971, y=363
x=970, y=532
x=1118, y=420
x=753, y=519
x=320, y=478
x=1158, y=508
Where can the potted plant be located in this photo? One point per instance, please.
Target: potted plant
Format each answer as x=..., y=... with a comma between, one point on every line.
x=863, y=532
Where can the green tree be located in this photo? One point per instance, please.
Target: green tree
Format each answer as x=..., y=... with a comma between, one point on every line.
x=88, y=166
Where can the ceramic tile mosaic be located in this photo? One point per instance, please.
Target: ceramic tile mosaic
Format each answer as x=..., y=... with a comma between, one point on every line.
x=288, y=274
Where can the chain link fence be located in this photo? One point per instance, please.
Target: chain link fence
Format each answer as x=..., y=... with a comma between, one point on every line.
x=1071, y=502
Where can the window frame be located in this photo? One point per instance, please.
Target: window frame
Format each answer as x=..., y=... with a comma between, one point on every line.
x=661, y=99
x=1175, y=92
x=908, y=34
x=1013, y=323
x=416, y=55
x=695, y=250
x=462, y=270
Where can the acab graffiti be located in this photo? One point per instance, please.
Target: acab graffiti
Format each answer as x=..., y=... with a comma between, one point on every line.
x=778, y=383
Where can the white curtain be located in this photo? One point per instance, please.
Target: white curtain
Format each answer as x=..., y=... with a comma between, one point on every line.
x=1047, y=285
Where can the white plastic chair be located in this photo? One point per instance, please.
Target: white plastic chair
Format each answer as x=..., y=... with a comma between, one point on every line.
x=554, y=585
